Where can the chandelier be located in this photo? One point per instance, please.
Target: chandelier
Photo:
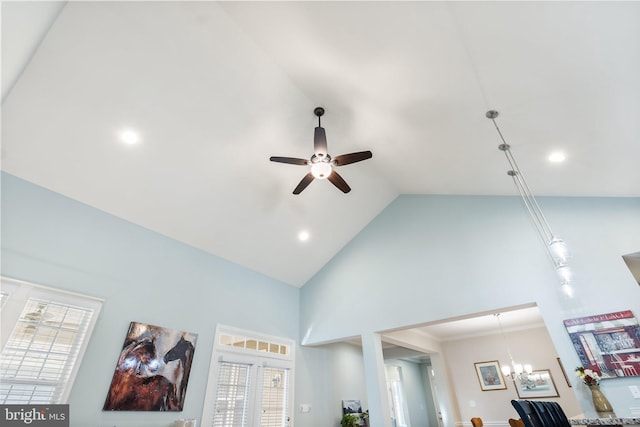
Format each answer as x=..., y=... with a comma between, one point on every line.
x=554, y=245
x=515, y=371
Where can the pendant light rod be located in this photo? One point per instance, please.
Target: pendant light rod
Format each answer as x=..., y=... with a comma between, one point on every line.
x=543, y=227
x=555, y=246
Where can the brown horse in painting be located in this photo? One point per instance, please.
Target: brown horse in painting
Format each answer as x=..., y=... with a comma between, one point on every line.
x=134, y=387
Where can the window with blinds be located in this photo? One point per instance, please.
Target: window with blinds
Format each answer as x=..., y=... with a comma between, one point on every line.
x=274, y=398
x=40, y=355
x=232, y=396
x=250, y=380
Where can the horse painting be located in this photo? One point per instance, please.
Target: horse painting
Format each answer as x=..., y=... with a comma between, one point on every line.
x=183, y=353
x=152, y=371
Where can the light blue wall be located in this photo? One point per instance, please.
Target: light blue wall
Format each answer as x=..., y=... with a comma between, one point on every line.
x=332, y=373
x=142, y=276
x=426, y=258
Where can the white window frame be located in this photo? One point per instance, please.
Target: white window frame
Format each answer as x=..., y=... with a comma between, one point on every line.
x=255, y=358
x=19, y=293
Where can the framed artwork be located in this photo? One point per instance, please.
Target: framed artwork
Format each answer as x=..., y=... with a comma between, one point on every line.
x=564, y=373
x=537, y=384
x=152, y=371
x=607, y=343
x=351, y=407
x=490, y=375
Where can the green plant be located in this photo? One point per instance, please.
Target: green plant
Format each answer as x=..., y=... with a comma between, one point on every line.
x=365, y=417
x=349, y=420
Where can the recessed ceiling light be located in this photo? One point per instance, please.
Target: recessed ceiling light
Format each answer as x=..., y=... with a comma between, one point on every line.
x=557, y=157
x=130, y=137
x=303, y=236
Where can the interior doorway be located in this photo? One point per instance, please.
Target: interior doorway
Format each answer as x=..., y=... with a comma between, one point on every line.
x=411, y=391
x=455, y=346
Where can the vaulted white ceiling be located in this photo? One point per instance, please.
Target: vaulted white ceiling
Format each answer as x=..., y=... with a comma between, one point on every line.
x=216, y=88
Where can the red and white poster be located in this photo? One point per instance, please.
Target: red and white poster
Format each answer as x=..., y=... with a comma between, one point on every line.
x=607, y=343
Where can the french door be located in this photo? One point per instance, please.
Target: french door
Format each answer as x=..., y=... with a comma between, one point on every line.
x=251, y=395
x=249, y=388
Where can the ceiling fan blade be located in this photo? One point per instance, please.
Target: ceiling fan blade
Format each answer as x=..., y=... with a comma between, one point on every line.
x=289, y=160
x=304, y=183
x=337, y=180
x=320, y=142
x=345, y=159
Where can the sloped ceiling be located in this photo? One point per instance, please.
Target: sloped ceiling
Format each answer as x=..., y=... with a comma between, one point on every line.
x=215, y=88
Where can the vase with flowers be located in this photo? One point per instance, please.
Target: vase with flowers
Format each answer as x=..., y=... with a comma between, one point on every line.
x=591, y=378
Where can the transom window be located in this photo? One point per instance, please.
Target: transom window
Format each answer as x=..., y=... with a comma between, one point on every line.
x=249, y=343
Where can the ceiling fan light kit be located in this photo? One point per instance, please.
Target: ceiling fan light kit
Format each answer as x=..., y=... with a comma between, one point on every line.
x=321, y=164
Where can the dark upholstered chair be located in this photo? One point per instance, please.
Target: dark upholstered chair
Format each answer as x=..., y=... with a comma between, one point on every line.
x=558, y=415
x=542, y=409
x=527, y=413
x=540, y=414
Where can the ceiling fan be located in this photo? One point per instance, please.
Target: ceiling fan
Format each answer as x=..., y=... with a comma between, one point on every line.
x=321, y=163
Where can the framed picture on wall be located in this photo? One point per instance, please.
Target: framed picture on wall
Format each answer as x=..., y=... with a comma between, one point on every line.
x=351, y=407
x=536, y=384
x=607, y=343
x=152, y=371
x=490, y=375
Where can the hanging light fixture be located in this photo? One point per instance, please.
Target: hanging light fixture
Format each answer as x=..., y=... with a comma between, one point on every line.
x=515, y=371
x=555, y=246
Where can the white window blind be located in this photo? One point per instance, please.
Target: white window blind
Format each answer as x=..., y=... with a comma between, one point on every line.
x=40, y=356
x=274, y=397
x=250, y=380
x=232, y=396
